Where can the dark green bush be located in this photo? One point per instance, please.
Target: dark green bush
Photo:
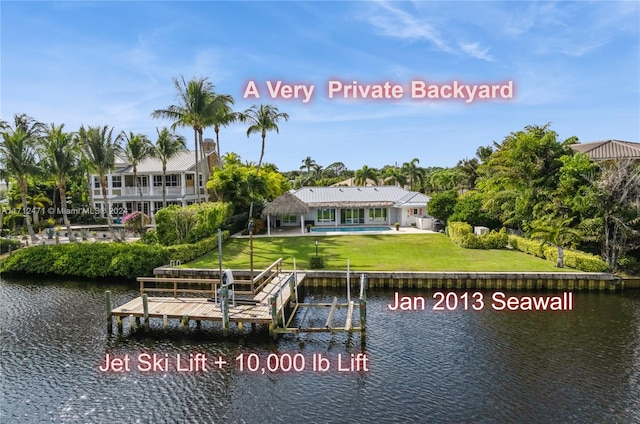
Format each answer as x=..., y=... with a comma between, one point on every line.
x=6, y=243
x=316, y=262
x=91, y=260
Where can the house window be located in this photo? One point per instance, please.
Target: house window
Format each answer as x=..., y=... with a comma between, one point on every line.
x=416, y=212
x=378, y=214
x=289, y=219
x=116, y=181
x=96, y=182
x=352, y=216
x=143, y=181
x=326, y=215
x=171, y=180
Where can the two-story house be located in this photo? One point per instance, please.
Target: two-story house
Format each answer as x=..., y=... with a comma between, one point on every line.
x=124, y=195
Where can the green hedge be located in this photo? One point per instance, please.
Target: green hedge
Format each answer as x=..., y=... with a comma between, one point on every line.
x=188, y=252
x=91, y=260
x=572, y=258
x=461, y=234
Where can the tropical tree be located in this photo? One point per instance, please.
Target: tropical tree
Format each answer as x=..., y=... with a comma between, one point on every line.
x=19, y=155
x=101, y=149
x=444, y=179
x=393, y=175
x=137, y=147
x=231, y=158
x=618, y=187
x=263, y=119
x=520, y=175
x=365, y=174
x=413, y=172
x=558, y=232
x=195, y=109
x=221, y=116
x=167, y=146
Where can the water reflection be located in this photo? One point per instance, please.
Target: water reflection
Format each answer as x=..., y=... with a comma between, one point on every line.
x=453, y=366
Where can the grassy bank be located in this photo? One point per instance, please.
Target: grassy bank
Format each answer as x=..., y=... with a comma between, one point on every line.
x=412, y=252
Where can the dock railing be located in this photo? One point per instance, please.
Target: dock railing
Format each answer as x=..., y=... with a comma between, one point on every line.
x=266, y=276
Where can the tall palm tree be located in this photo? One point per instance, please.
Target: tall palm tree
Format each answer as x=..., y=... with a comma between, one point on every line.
x=137, y=147
x=262, y=119
x=19, y=154
x=60, y=152
x=167, y=146
x=221, y=116
x=101, y=149
x=194, y=109
x=413, y=172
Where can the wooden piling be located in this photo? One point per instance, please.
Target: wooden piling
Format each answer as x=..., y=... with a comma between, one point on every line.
x=185, y=323
x=107, y=301
x=145, y=311
x=224, y=304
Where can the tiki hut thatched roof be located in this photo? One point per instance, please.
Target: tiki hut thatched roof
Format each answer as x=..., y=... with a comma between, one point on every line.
x=287, y=204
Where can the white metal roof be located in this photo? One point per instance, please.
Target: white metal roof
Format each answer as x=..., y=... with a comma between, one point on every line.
x=365, y=196
x=183, y=161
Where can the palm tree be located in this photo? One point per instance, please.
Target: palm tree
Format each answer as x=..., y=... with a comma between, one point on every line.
x=557, y=232
x=231, y=158
x=18, y=152
x=364, y=174
x=167, y=146
x=222, y=115
x=60, y=154
x=101, y=149
x=394, y=176
x=262, y=119
x=413, y=172
x=137, y=148
x=195, y=109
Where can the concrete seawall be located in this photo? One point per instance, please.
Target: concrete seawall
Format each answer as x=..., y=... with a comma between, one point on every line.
x=442, y=280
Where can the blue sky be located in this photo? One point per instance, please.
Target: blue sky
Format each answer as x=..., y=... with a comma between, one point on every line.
x=574, y=64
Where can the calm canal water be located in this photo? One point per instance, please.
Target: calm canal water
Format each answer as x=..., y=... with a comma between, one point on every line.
x=423, y=366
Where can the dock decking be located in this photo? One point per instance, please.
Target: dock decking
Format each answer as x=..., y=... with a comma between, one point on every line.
x=205, y=299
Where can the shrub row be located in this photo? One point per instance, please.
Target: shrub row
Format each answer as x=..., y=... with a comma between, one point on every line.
x=98, y=260
x=91, y=260
x=572, y=258
x=188, y=252
x=461, y=234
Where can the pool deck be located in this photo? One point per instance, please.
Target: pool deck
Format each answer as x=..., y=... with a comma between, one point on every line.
x=295, y=232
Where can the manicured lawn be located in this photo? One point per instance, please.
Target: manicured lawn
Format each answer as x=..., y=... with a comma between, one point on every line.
x=411, y=252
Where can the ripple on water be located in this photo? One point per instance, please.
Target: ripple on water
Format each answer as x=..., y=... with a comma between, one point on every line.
x=424, y=366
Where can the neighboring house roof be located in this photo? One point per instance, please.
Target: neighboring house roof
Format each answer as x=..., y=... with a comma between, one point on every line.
x=351, y=182
x=182, y=162
x=609, y=149
x=287, y=204
x=363, y=197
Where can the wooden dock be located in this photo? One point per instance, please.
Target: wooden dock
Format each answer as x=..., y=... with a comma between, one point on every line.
x=264, y=301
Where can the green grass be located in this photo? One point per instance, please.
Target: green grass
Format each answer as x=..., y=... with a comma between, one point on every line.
x=410, y=252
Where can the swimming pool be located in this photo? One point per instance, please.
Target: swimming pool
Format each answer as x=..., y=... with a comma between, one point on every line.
x=347, y=229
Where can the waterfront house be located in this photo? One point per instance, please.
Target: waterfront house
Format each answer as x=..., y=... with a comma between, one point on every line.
x=349, y=206
x=124, y=194
x=609, y=150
